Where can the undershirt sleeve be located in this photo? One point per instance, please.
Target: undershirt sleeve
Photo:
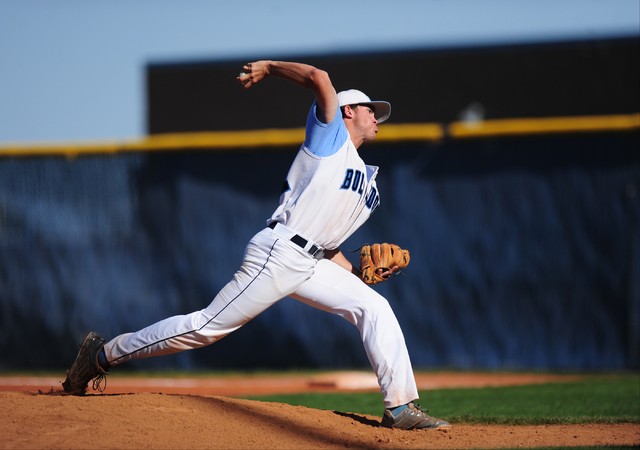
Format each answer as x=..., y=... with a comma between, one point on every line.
x=324, y=139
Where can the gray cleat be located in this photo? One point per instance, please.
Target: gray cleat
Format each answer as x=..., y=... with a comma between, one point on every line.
x=412, y=417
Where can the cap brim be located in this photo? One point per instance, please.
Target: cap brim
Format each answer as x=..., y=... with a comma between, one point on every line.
x=382, y=110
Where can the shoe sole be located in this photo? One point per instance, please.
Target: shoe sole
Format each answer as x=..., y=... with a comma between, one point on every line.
x=439, y=427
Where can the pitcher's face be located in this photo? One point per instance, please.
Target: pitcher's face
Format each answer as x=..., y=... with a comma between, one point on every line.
x=364, y=123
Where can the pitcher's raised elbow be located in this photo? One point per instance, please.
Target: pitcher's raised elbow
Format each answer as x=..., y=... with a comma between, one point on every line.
x=319, y=77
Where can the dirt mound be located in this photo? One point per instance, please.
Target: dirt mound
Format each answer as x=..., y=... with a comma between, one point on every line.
x=147, y=420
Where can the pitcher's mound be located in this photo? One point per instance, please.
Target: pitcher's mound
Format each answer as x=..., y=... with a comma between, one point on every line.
x=146, y=420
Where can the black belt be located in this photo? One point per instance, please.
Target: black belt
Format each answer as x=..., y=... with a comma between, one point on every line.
x=314, y=251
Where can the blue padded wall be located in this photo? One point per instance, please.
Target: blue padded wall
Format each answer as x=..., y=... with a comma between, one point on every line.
x=524, y=253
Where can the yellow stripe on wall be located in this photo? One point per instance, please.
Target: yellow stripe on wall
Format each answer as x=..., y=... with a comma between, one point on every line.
x=546, y=125
x=212, y=140
x=389, y=133
x=410, y=132
x=157, y=142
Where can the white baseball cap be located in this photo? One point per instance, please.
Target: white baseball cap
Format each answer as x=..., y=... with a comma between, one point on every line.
x=382, y=110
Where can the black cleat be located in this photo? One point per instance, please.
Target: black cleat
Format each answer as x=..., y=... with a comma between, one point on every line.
x=86, y=368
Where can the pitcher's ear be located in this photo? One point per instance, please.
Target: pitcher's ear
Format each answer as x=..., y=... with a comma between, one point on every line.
x=347, y=111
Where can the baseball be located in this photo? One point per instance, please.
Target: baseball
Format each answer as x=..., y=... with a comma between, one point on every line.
x=243, y=74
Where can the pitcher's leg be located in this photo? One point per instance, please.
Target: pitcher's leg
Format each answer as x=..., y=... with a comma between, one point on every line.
x=333, y=289
x=261, y=282
x=175, y=334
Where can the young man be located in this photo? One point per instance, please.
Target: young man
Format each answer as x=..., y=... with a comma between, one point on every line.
x=328, y=194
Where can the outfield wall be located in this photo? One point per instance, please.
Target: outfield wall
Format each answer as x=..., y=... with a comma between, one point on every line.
x=524, y=251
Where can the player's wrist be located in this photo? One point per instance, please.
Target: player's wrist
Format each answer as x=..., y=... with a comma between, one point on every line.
x=267, y=67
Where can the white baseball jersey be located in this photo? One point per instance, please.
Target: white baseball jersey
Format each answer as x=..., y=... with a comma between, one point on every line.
x=329, y=191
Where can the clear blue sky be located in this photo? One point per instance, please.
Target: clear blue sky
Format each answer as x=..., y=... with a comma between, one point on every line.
x=74, y=69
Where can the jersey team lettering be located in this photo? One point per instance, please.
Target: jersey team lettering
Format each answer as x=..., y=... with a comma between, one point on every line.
x=354, y=180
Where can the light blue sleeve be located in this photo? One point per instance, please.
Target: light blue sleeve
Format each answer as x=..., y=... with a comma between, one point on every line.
x=324, y=139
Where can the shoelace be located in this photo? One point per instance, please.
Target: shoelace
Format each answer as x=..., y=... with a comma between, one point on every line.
x=97, y=381
x=419, y=410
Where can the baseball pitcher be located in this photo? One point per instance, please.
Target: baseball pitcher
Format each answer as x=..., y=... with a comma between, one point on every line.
x=329, y=192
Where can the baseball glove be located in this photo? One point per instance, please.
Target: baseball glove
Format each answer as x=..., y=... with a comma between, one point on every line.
x=381, y=256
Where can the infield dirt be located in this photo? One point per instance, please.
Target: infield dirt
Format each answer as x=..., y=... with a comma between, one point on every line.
x=49, y=419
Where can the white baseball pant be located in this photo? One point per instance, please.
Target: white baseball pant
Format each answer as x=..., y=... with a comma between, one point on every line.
x=274, y=268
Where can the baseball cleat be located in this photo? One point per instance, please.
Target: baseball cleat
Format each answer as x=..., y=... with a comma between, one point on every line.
x=411, y=417
x=86, y=368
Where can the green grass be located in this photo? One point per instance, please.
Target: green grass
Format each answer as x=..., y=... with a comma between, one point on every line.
x=605, y=399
